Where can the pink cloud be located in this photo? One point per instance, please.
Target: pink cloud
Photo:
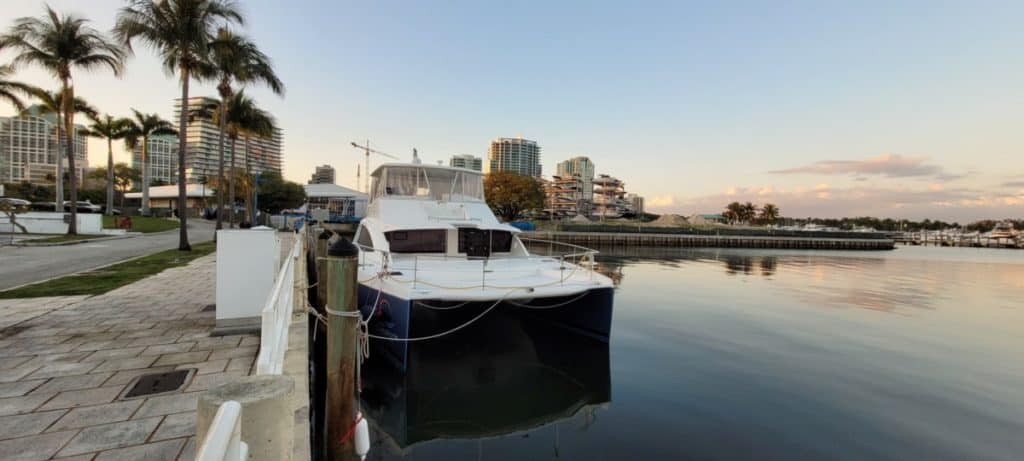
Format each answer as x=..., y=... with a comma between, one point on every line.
x=887, y=165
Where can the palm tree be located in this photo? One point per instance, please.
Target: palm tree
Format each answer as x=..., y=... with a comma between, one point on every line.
x=748, y=213
x=59, y=44
x=259, y=123
x=769, y=213
x=235, y=59
x=733, y=212
x=10, y=89
x=143, y=126
x=109, y=128
x=226, y=115
x=52, y=103
x=180, y=31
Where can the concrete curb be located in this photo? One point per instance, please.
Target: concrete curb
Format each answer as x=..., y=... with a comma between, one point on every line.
x=76, y=242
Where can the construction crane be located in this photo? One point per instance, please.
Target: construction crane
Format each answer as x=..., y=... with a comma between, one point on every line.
x=368, y=151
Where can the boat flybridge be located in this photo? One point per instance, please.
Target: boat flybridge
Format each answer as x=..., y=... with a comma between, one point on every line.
x=433, y=258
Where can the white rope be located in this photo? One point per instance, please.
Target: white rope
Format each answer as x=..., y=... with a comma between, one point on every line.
x=444, y=333
x=441, y=308
x=552, y=306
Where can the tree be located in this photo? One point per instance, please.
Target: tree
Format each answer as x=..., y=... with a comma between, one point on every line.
x=748, y=213
x=143, y=126
x=236, y=60
x=733, y=212
x=50, y=103
x=180, y=31
x=10, y=90
x=274, y=193
x=109, y=128
x=769, y=213
x=59, y=44
x=253, y=122
x=510, y=194
x=124, y=177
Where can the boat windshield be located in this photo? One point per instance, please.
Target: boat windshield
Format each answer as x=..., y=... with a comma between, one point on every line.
x=440, y=184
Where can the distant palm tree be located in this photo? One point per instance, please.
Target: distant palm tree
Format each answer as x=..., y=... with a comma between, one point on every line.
x=10, y=90
x=235, y=59
x=109, y=128
x=748, y=213
x=733, y=212
x=254, y=122
x=769, y=213
x=52, y=103
x=59, y=44
x=180, y=31
x=142, y=126
x=226, y=115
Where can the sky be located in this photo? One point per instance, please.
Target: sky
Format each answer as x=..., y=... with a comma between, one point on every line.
x=825, y=108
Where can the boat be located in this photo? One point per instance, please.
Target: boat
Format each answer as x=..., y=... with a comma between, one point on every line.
x=433, y=258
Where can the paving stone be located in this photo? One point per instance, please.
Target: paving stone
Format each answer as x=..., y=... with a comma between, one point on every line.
x=184, y=357
x=97, y=414
x=120, y=353
x=160, y=451
x=189, y=452
x=168, y=404
x=71, y=399
x=63, y=369
x=23, y=404
x=11, y=362
x=243, y=364
x=86, y=457
x=204, y=382
x=27, y=424
x=168, y=348
x=154, y=340
x=236, y=352
x=202, y=368
x=126, y=364
x=17, y=373
x=71, y=383
x=126, y=376
x=18, y=388
x=141, y=333
x=250, y=341
x=108, y=436
x=220, y=342
x=34, y=448
x=175, y=426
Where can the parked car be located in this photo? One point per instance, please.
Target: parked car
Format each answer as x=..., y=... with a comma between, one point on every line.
x=84, y=207
x=16, y=203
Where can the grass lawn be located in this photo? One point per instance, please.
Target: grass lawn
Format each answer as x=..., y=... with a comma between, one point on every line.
x=64, y=238
x=100, y=281
x=144, y=224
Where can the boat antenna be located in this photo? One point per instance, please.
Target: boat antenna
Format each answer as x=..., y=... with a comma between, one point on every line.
x=415, y=157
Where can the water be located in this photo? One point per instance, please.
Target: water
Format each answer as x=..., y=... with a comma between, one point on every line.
x=916, y=353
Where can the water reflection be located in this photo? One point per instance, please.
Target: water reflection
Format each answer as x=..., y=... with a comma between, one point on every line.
x=508, y=374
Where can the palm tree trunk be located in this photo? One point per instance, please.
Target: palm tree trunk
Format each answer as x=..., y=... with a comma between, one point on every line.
x=58, y=187
x=251, y=215
x=231, y=186
x=182, y=151
x=220, y=167
x=145, y=176
x=110, y=177
x=69, y=116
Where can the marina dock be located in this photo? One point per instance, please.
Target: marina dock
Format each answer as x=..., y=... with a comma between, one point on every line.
x=810, y=242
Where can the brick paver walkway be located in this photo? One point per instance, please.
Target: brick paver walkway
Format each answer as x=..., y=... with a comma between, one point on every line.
x=65, y=365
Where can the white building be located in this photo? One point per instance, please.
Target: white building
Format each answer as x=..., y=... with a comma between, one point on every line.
x=468, y=162
x=202, y=138
x=29, y=149
x=582, y=167
x=517, y=155
x=163, y=158
x=637, y=202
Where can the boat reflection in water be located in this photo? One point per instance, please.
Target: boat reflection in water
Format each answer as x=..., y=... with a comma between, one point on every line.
x=505, y=375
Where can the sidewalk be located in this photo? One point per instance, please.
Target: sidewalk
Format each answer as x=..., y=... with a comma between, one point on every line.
x=66, y=362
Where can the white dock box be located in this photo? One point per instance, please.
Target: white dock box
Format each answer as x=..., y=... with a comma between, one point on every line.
x=247, y=263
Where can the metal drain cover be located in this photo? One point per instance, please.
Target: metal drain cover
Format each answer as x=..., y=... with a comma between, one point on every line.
x=158, y=383
x=210, y=308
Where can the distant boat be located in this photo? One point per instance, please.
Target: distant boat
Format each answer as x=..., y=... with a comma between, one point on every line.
x=1004, y=230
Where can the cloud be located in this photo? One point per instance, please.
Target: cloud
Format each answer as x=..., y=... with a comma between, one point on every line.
x=934, y=201
x=661, y=201
x=887, y=165
x=1014, y=183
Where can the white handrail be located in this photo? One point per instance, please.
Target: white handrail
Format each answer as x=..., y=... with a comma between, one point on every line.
x=277, y=314
x=223, y=441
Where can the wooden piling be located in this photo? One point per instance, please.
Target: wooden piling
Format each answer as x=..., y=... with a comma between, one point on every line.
x=342, y=344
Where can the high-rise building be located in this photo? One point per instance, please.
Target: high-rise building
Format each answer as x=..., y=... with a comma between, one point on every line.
x=202, y=142
x=582, y=167
x=163, y=158
x=637, y=202
x=324, y=174
x=564, y=196
x=517, y=155
x=468, y=162
x=29, y=148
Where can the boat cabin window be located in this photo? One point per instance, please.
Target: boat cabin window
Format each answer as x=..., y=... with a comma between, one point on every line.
x=481, y=243
x=441, y=184
x=364, y=239
x=417, y=241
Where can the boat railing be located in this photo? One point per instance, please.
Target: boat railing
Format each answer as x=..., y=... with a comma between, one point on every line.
x=579, y=259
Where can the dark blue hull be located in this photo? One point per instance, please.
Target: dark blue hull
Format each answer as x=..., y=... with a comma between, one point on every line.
x=589, y=315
